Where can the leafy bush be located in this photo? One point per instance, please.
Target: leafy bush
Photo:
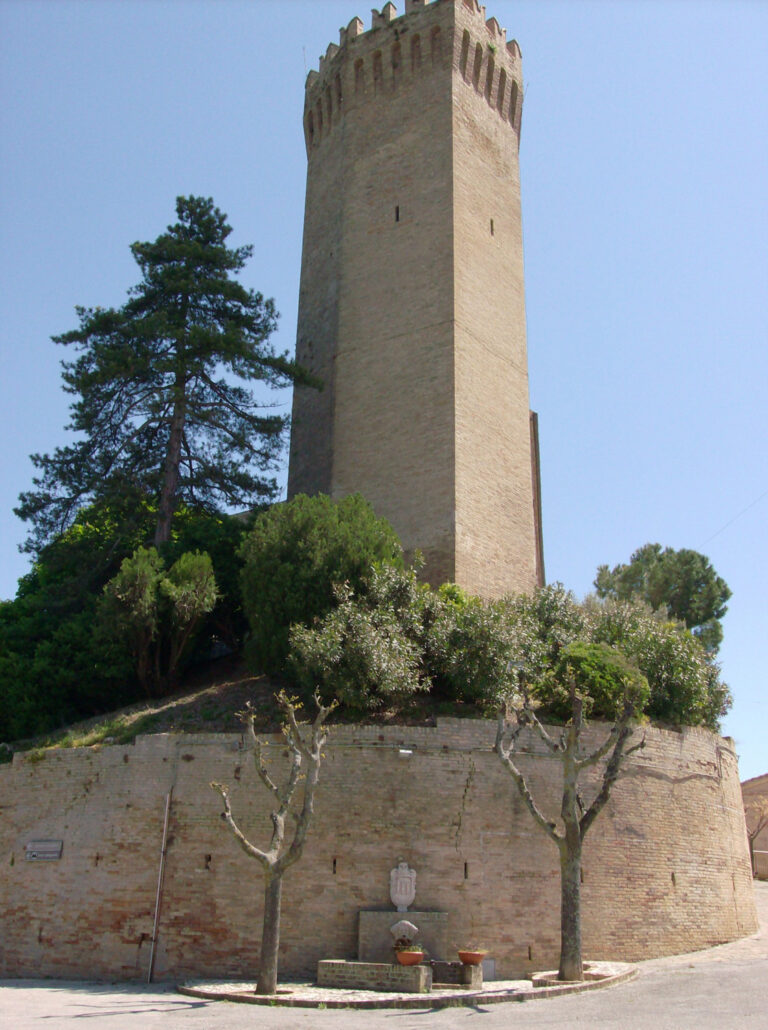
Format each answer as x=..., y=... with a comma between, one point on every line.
x=601, y=677
x=293, y=556
x=684, y=679
x=156, y=612
x=57, y=664
x=370, y=649
x=395, y=636
x=490, y=642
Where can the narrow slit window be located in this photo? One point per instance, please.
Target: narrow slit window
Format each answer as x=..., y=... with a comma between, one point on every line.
x=359, y=76
x=489, y=79
x=397, y=62
x=478, y=66
x=513, y=104
x=397, y=212
x=334, y=867
x=464, y=54
x=328, y=105
x=492, y=232
x=466, y=870
x=436, y=45
x=377, y=72
x=502, y=89
x=415, y=53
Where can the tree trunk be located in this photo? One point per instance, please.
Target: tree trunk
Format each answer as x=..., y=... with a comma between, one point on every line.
x=570, y=906
x=167, y=504
x=570, y=863
x=270, y=934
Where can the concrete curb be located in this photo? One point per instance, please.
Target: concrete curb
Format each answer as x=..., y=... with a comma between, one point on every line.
x=307, y=996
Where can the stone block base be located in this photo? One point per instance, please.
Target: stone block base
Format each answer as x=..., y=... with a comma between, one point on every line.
x=457, y=973
x=374, y=976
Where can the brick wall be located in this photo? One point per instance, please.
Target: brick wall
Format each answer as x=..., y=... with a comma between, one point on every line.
x=755, y=795
x=665, y=865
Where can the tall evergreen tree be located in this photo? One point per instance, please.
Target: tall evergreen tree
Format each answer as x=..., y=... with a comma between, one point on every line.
x=683, y=582
x=160, y=410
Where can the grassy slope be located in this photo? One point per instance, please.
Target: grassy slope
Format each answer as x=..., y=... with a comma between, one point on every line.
x=209, y=702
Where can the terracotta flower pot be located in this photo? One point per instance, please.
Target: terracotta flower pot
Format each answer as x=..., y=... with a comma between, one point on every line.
x=409, y=958
x=472, y=958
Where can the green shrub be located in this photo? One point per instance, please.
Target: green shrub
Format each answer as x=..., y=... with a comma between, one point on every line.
x=157, y=612
x=292, y=557
x=600, y=676
x=684, y=679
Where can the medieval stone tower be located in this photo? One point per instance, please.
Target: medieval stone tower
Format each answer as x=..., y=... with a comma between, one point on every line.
x=411, y=308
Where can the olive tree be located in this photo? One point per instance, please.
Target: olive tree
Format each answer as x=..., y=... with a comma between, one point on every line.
x=586, y=677
x=305, y=746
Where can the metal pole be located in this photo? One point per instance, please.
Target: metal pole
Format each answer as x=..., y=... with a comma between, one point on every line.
x=160, y=874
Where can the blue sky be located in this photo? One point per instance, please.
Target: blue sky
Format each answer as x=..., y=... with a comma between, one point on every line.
x=644, y=163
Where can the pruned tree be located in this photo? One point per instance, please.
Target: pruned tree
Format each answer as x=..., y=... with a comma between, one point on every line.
x=305, y=747
x=756, y=813
x=585, y=676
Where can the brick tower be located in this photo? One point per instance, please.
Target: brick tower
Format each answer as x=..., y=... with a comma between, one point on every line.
x=411, y=307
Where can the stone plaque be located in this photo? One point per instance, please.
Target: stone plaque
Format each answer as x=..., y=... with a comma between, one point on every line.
x=44, y=850
x=402, y=886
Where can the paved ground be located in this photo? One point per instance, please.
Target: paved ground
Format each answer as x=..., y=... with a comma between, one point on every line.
x=724, y=988
x=600, y=975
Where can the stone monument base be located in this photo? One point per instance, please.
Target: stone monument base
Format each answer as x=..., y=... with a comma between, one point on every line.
x=374, y=941
x=374, y=976
x=456, y=973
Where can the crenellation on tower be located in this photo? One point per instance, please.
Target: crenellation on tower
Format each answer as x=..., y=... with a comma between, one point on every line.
x=396, y=51
x=388, y=13
x=411, y=305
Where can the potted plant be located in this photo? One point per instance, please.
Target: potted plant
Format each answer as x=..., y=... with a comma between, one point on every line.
x=408, y=953
x=472, y=955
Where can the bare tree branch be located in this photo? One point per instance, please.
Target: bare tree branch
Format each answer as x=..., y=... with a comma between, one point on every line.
x=611, y=771
x=601, y=752
x=505, y=754
x=248, y=848
x=304, y=746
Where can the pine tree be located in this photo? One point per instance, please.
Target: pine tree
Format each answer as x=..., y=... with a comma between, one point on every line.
x=161, y=407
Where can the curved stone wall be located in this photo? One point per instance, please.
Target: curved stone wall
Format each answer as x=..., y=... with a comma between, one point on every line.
x=665, y=865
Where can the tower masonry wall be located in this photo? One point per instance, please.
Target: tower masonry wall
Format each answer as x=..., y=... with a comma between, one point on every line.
x=665, y=866
x=411, y=306
x=495, y=527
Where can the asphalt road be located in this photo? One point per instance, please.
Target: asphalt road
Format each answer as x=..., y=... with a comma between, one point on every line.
x=724, y=988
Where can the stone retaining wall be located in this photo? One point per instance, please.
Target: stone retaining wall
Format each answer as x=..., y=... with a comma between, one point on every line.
x=666, y=866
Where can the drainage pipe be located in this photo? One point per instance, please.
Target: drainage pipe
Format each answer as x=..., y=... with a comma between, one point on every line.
x=160, y=874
